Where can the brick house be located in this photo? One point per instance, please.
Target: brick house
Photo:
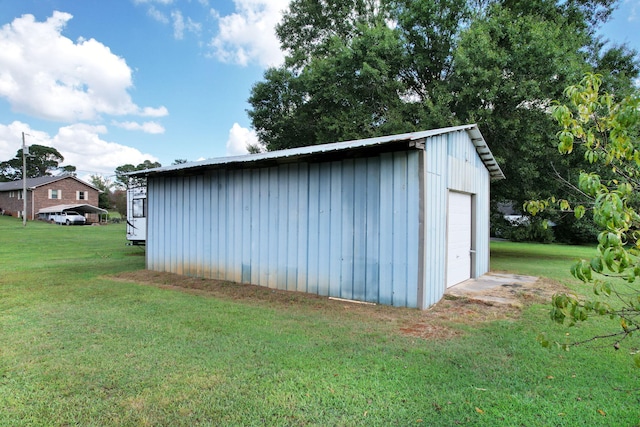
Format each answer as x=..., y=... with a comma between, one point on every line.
x=46, y=192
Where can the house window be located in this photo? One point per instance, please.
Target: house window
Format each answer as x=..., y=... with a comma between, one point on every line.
x=81, y=195
x=55, y=194
x=20, y=195
x=12, y=194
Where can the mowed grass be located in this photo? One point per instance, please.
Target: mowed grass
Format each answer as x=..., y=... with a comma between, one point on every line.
x=79, y=347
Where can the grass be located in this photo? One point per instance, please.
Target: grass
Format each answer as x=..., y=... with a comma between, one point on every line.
x=82, y=347
x=537, y=259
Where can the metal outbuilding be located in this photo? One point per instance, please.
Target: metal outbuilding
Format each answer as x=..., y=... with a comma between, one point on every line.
x=391, y=220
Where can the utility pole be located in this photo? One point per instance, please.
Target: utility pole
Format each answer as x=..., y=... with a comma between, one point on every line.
x=24, y=182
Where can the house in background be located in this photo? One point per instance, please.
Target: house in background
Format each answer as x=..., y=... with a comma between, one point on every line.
x=50, y=194
x=392, y=220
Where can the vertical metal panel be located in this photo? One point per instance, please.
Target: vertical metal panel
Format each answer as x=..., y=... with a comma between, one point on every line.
x=232, y=237
x=272, y=228
x=245, y=226
x=359, y=268
x=399, y=226
x=236, y=209
x=436, y=169
x=223, y=225
x=190, y=259
x=206, y=226
x=413, y=227
x=200, y=228
x=176, y=251
x=324, y=228
x=288, y=220
x=313, y=230
x=347, y=231
x=218, y=212
x=304, y=221
x=372, y=218
x=385, y=294
x=335, y=237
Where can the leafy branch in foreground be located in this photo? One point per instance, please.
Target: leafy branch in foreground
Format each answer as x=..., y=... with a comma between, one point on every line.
x=606, y=130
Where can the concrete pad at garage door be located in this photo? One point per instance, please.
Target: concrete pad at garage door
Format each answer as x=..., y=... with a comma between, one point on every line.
x=494, y=288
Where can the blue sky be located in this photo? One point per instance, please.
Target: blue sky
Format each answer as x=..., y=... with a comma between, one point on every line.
x=120, y=81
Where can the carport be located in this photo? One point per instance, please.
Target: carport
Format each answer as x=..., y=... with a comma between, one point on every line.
x=92, y=213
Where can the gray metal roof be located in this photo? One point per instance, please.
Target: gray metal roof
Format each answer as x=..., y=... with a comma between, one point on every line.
x=37, y=182
x=294, y=154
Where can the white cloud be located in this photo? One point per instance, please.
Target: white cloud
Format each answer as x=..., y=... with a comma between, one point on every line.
x=11, y=138
x=248, y=35
x=81, y=145
x=239, y=138
x=242, y=37
x=157, y=15
x=146, y=127
x=179, y=25
x=47, y=75
x=153, y=112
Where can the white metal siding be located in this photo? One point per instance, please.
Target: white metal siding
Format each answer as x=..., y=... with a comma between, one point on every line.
x=345, y=228
x=451, y=163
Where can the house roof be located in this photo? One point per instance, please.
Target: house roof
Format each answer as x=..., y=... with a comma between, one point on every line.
x=80, y=208
x=356, y=147
x=38, y=182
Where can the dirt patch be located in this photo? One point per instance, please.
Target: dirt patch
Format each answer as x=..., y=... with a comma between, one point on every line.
x=443, y=320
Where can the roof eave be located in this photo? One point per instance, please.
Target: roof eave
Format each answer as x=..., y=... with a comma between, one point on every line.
x=292, y=154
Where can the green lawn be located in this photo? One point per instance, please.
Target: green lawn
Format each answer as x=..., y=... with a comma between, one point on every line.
x=78, y=347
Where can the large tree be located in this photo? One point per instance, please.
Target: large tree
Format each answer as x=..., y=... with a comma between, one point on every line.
x=362, y=68
x=41, y=161
x=511, y=62
x=340, y=79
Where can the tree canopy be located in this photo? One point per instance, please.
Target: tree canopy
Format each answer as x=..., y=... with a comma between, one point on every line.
x=365, y=68
x=41, y=161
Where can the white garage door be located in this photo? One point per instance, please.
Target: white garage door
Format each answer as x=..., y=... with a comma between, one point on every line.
x=458, y=238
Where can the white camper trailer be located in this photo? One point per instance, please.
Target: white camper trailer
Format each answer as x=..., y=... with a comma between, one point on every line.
x=137, y=215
